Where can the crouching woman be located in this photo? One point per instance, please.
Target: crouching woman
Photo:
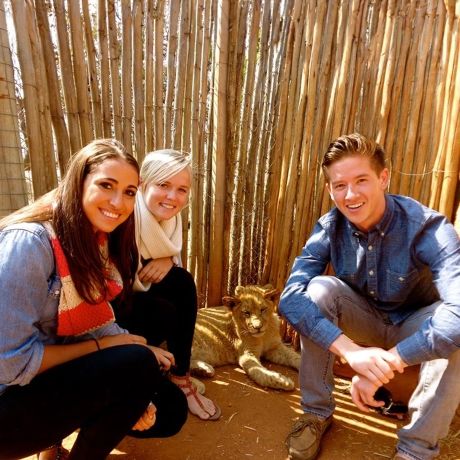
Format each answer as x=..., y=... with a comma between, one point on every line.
x=64, y=363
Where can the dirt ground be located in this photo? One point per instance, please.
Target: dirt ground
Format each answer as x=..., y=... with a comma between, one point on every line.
x=255, y=422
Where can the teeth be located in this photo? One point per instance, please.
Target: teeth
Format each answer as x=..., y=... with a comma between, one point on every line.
x=167, y=206
x=355, y=206
x=112, y=215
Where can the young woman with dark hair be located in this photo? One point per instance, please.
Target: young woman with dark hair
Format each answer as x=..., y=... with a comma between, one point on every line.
x=64, y=363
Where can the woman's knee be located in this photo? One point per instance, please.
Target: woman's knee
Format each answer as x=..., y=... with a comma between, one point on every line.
x=134, y=363
x=184, y=279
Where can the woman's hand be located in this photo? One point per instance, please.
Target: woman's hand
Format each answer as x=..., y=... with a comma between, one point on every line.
x=156, y=270
x=164, y=357
x=147, y=420
x=121, y=339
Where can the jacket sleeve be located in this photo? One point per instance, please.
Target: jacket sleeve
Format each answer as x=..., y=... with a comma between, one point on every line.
x=26, y=264
x=438, y=247
x=295, y=303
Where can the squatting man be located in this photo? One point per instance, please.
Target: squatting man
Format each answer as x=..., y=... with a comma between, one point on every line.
x=393, y=302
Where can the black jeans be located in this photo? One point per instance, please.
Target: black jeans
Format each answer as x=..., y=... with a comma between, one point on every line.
x=166, y=312
x=103, y=394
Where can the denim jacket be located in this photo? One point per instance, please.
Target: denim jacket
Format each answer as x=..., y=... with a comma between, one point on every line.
x=411, y=259
x=29, y=298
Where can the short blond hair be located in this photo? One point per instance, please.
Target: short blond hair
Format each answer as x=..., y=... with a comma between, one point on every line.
x=159, y=165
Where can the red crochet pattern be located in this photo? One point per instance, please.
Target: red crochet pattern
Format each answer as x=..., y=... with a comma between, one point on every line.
x=75, y=315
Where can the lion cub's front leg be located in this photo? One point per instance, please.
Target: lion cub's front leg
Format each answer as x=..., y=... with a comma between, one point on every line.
x=263, y=376
x=284, y=355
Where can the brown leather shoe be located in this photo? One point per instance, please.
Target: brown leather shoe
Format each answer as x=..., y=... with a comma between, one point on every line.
x=56, y=452
x=304, y=440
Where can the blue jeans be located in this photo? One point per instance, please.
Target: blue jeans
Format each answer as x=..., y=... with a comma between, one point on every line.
x=432, y=405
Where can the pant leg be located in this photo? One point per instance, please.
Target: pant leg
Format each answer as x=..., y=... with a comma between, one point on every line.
x=167, y=311
x=103, y=394
x=351, y=312
x=433, y=404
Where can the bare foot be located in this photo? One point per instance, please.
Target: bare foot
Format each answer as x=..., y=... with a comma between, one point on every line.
x=198, y=404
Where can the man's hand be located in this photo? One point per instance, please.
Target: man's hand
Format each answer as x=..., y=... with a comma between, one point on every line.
x=147, y=419
x=376, y=364
x=156, y=270
x=362, y=393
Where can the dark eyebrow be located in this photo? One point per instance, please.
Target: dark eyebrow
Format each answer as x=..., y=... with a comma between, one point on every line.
x=111, y=179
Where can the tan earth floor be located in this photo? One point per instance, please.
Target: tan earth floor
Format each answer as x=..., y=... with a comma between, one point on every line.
x=255, y=422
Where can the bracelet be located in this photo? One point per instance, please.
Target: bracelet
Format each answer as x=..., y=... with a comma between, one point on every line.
x=97, y=343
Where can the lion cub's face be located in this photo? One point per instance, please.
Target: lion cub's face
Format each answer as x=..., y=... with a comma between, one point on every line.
x=252, y=307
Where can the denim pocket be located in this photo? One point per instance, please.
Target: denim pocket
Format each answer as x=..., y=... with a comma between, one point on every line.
x=399, y=285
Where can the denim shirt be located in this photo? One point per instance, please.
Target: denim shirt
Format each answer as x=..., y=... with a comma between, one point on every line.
x=411, y=259
x=30, y=290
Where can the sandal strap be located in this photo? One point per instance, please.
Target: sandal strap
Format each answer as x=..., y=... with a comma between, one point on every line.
x=191, y=390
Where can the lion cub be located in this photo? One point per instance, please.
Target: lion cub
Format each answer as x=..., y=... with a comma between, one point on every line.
x=243, y=332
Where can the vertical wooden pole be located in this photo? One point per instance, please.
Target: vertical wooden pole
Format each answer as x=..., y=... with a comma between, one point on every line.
x=219, y=149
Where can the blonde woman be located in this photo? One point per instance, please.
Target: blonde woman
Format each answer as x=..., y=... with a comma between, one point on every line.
x=164, y=304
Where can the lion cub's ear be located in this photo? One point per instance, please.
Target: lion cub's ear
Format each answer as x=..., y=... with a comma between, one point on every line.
x=271, y=294
x=230, y=301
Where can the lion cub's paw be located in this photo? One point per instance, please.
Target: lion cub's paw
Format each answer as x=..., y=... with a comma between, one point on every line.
x=272, y=379
x=202, y=369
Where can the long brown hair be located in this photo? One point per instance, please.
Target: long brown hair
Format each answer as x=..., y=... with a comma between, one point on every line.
x=63, y=207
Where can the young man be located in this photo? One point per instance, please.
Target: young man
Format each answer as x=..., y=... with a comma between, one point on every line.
x=393, y=302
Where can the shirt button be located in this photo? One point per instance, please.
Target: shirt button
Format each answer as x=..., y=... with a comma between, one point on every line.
x=371, y=272
x=401, y=278
x=372, y=292
x=382, y=234
x=370, y=247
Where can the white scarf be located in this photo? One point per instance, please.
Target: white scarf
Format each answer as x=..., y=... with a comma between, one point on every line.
x=155, y=239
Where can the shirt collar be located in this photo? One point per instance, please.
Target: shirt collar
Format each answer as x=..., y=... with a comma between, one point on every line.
x=384, y=223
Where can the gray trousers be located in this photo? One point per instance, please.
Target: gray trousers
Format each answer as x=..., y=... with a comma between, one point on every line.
x=432, y=405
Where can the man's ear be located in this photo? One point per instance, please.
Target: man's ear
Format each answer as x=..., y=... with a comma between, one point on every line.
x=384, y=178
x=328, y=187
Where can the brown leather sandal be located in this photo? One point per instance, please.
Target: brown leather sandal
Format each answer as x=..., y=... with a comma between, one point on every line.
x=190, y=390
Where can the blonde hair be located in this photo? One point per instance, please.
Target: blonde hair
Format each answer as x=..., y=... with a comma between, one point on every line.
x=159, y=165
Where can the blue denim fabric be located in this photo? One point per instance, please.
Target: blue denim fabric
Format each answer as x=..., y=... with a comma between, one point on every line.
x=30, y=290
x=432, y=405
x=409, y=260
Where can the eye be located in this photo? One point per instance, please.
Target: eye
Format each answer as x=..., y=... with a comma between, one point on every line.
x=163, y=185
x=106, y=185
x=246, y=314
x=263, y=310
x=131, y=193
x=339, y=187
x=183, y=190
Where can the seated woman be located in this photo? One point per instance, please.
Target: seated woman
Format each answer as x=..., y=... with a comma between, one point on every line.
x=64, y=363
x=164, y=306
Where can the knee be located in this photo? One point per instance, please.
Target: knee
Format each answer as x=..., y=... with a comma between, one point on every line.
x=137, y=363
x=184, y=279
x=323, y=290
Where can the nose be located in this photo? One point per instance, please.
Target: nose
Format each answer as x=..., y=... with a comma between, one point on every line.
x=171, y=194
x=116, y=200
x=350, y=192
